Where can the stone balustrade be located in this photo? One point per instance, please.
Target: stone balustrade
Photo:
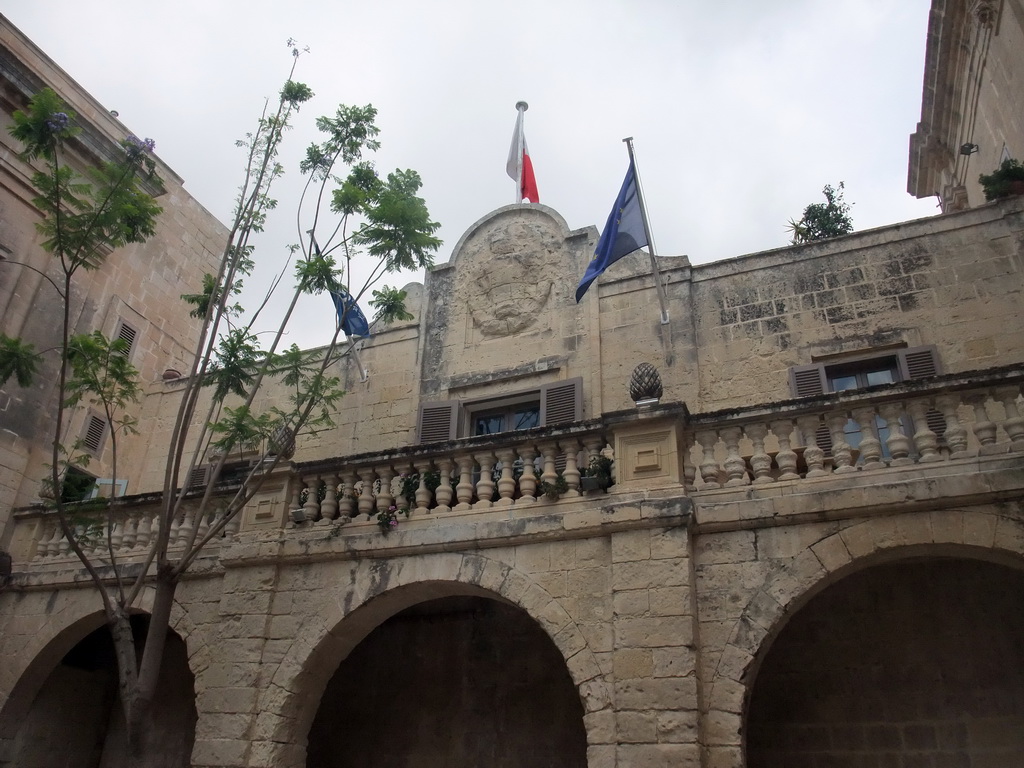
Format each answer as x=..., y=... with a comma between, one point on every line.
x=473, y=474
x=842, y=435
x=136, y=524
x=895, y=425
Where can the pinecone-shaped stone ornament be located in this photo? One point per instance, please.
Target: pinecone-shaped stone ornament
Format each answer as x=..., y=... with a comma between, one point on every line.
x=645, y=384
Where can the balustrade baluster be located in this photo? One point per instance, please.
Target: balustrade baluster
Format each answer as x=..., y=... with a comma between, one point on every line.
x=185, y=529
x=385, y=499
x=329, y=506
x=897, y=442
x=51, y=544
x=366, y=501
x=984, y=428
x=955, y=434
x=709, y=469
x=760, y=461
x=485, y=483
x=548, y=475
x=117, y=535
x=423, y=493
x=870, y=446
x=528, y=480
x=506, y=483
x=172, y=538
x=926, y=442
x=735, y=466
x=786, y=458
x=464, y=488
x=571, y=473
x=1014, y=423
x=312, y=505
x=842, y=454
x=347, y=498
x=443, y=494
x=814, y=456
x=144, y=531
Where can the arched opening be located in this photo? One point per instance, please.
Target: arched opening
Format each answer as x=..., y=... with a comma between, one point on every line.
x=454, y=681
x=914, y=662
x=75, y=719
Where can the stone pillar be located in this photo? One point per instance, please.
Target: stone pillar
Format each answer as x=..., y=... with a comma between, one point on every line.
x=654, y=665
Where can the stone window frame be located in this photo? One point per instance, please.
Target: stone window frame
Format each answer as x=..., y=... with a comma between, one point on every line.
x=561, y=402
x=911, y=363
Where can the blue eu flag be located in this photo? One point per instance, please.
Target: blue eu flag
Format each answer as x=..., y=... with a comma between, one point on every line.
x=353, y=321
x=623, y=234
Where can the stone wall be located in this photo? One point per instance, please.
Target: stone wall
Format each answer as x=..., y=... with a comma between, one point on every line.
x=918, y=662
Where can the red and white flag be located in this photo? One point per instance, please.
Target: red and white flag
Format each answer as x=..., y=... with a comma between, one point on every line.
x=519, y=167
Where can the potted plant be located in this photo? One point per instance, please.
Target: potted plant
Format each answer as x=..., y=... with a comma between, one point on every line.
x=1004, y=181
x=598, y=475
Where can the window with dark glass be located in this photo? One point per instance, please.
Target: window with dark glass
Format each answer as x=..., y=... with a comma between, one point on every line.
x=865, y=371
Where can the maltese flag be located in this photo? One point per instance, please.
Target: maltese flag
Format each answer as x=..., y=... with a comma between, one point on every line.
x=519, y=167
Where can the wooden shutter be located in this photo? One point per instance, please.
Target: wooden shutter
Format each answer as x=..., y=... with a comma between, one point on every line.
x=95, y=429
x=199, y=477
x=919, y=362
x=807, y=380
x=438, y=421
x=127, y=334
x=561, y=402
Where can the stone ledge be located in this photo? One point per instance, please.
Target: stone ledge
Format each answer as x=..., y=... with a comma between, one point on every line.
x=884, y=491
x=428, y=534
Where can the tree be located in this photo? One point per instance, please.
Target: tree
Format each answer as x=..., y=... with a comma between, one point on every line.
x=823, y=220
x=358, y=215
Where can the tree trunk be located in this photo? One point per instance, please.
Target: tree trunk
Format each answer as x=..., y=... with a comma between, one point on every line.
x=138, y=705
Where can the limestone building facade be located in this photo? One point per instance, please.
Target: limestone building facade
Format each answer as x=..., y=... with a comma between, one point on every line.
x=811, y=553
x=973, y=99
x=132, y=296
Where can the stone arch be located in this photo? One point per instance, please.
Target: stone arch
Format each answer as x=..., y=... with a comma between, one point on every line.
x=290, y=701
x=958, y=533
x=74, y=618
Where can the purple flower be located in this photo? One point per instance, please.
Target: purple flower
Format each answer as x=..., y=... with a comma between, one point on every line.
x=136, y=146
x=57, y=122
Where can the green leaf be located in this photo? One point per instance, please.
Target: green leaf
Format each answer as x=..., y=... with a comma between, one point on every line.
x=399, y=229
x=390, y=305
x=17, y=359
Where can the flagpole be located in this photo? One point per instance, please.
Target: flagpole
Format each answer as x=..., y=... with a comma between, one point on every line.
x=655, y=271
x=521, y=107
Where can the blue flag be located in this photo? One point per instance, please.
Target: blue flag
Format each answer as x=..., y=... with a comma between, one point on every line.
x=352, y=320
x=623, y=234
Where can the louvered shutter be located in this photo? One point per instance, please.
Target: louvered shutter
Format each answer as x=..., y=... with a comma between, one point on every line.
x=94, y=431
x=561, y=402
x=127, y=334
x=807, y=380
x=438, y=421
x=199, y=476
x=919, y=362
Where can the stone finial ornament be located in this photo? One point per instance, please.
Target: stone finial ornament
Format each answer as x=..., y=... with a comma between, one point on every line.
x=645, y=385
x=282, y=442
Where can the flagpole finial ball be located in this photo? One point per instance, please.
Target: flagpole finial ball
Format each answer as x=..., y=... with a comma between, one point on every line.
x=522, y=106
x=645, y=385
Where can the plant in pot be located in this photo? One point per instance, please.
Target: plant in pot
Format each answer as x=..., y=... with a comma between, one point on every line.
x=598, y=474
x=1004, y=181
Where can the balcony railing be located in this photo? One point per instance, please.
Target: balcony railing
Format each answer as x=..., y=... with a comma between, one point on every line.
x=843, y=435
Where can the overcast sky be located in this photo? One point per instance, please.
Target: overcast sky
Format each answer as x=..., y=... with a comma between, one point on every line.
x=741, y=110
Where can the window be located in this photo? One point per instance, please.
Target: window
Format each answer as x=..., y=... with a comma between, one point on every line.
x=560, y=402
x=868, y=371
x=880, y=368
x=77, y=485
